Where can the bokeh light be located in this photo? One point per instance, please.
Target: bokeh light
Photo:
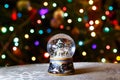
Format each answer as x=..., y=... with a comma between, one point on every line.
x=79, y=19
x=11, y=28
x=118, y=58
x=107, y=47
x=97, y=21
x=87, y=25
x=81, y=10
x=80, y=43
x=91, y=22
x=14, y=15
x=32, y=30
x=46, y=55
x=26, y=36
x=19, y=15
x=106, y=29
x=49, y=30
x=69, y=20
x=115, y=22
x=103, y=60
x=54, y=5
x=6, y=6
x=16, y=39
x=94, y=46
x=107, y=13
x=3, y=56
x=30, y=8
x=103, y=17
x=36, y=43
x=93, y=34
x=39, y=21
x=68, y=27
x=69, y=1
x=115, y=50
x=3, y=29
x=94, y=8
x=40, y=32
x=43, y=11
x=102, y=51
x=14, y=48
x=65, y=14
x=115, y=62
x=45, y=3
x=16, y=44
x=43, y=16
x=84, y=53
x=110, y=8
x=91, y=2
x=61, y=26
x=33, y=58
x=91, y=28
x=64, y=8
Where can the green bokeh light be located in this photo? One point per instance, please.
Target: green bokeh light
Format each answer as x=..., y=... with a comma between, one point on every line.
x=3, y=56
x=32, y=30
x=103, y=17
x=79, y=19
x=106, y=29
x=69, y=1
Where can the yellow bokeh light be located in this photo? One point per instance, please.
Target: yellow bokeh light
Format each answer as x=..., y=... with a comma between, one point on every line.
x=81, y=10
x=115, y=62
x=91, y=2
x=103, y=60
x=33, y=58
x=45, y=3
x=26, y=36
x=118, y=58
x=84, y=53
x=97, y=21
x=69, y=20
x=93, y=34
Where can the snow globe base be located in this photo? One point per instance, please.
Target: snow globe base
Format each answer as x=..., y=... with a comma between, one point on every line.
x=61, y=66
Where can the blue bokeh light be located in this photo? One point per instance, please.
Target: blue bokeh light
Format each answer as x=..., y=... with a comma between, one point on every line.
x=19, y=15
x=6, y=6
x=110, y=8
x=49, y=30
x=41, y=32
x=80, y=43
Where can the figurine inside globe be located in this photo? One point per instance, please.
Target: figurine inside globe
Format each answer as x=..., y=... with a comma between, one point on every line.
x=61, y=48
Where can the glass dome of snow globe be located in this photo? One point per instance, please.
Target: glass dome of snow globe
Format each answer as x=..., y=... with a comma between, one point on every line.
x=61, y=48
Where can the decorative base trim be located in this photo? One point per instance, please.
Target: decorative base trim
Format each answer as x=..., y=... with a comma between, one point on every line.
x=61, y=67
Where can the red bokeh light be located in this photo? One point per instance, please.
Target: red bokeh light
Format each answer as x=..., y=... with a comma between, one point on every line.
x=14, y=16
x=46, y=55
x=64, y=8
x=61, y=26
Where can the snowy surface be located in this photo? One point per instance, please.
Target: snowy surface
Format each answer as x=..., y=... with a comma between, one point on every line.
x=83, y=71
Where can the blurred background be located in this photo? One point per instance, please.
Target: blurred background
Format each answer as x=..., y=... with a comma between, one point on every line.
x=27, y=25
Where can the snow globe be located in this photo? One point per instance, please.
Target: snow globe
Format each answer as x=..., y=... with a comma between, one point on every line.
x=61, y=48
